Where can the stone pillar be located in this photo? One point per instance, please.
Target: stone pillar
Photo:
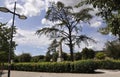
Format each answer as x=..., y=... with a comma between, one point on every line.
x=60, y=52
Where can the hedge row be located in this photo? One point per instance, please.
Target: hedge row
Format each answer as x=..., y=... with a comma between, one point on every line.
x=86, y=66
x=108, y=64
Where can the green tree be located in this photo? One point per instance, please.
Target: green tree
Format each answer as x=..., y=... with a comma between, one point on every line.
x=87, y=53
x=109, y=10
x=113, y=49
x=52, y=53
x=48, y=57
x=100, y=55
x=53, y=46
x=69, y=24
x=37, y=58
x=54, y=56
x=4, y=41
x=16, y=58
x=3, y=56
x=77, y=56
x=25, y=57
x=64, y=56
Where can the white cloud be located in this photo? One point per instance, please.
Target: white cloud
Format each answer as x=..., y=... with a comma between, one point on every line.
x=46, y=22
x=9, y=23
x=1, y=18
x=27, y=37
x=96, y=22
x=26, y=7
x=28, y=42
x=66, y=2
x=34, y=7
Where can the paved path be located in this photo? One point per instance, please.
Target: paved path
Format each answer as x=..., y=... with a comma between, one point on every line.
x=102, y=73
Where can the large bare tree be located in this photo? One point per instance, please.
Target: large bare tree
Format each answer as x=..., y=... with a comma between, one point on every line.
x=69, y=27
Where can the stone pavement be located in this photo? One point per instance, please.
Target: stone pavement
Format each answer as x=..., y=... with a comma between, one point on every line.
x=99, y=73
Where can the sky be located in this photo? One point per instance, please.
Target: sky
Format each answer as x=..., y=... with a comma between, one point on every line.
x=29, y=42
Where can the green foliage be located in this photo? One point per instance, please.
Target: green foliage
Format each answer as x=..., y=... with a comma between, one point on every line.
x=83, y=66
x=25, y=57
x=37, y=58
x=108, y=64
x=87, y=66
x=54, y=56
x=100, y=55
x=4, y=42
x=78, y=56
x=53, y=46
x=87, y=53
x=109, y=10
x=113, y=49
x=67, y=27
x=65, y=56
x=16, y=58
x=3, y=56
x=48, y=57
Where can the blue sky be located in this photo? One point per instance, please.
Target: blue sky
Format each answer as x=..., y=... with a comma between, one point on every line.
x=35, y=10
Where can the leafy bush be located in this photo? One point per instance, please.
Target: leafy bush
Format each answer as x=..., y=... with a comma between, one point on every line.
x=25, y=57
x=86, y=66
x=108, y=64
x=83, y=66
x=100, y=55
x=113, y=49
x=39, y=58
x=87, y=53
x=77, y=56
x=54, y=56
x=3, y=57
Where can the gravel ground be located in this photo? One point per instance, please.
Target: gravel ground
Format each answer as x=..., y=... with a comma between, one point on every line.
x=99, y=73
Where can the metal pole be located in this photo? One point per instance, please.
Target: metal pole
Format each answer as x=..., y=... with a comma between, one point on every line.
x=11, y=41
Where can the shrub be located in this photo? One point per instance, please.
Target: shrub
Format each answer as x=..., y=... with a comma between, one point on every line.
x=87, y=53
x=39, y=58
x=77, y=56
x=100, y=55
x=25, y=57
x=54, y=56
x=108, y=64
x=113, y=49
x=86, y=66
x=83, y=66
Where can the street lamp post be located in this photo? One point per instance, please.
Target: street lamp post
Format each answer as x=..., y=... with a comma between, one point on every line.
x=5, y=10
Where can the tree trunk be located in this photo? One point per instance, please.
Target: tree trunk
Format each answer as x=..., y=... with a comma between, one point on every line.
x=70, y=43
x=71, y=52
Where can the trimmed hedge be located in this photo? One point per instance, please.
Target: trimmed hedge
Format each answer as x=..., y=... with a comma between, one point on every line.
x=85, y=66
x=108, y=64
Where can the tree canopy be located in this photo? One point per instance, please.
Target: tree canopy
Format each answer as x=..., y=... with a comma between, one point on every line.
x=69, y=27
x=109, y=10
x=113, y=49
x=4, y=41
